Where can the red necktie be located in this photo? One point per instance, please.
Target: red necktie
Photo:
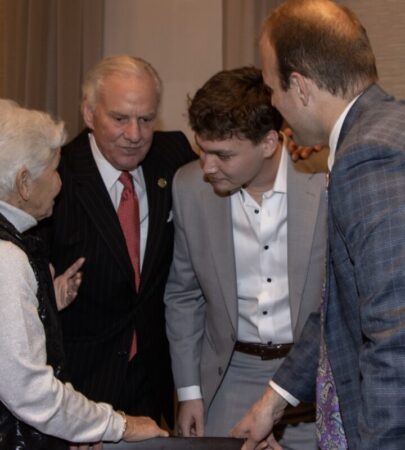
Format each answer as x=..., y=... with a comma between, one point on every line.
x=128, y=215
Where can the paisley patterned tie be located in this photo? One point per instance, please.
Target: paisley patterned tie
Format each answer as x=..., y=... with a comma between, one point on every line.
x=331, y=435
x=329, y=426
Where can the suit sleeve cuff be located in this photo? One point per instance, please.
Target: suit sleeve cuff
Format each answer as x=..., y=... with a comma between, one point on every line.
x=286, y=395
x=188, y=393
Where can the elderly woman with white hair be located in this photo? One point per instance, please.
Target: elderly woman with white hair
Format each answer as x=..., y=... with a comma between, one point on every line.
x=38, y=408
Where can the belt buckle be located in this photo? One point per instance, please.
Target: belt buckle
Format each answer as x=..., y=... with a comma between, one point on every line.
x=263, y=352
x=275, y=352
x=265, y=357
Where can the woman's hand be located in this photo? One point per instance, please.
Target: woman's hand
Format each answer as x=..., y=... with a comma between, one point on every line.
x=140, y=428
x=67, y=284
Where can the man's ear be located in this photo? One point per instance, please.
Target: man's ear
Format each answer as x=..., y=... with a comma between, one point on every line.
x=88, y=114
x=270, y=143
x=23, y=183
x=302, y=87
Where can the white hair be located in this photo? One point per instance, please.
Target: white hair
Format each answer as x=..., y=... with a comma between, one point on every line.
x=28, y=139
x=118, y=64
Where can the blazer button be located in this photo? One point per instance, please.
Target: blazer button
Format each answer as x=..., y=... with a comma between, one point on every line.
x=220, y=371
x=122, y=353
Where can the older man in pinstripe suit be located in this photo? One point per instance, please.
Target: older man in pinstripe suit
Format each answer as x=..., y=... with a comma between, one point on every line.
x=120, y=101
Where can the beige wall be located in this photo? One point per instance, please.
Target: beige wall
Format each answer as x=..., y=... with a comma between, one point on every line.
x=42, y=66
x=385, y=24
x=190, y=40
x=181, y=38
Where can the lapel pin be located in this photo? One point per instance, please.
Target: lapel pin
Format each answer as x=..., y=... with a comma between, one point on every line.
x=162, y=183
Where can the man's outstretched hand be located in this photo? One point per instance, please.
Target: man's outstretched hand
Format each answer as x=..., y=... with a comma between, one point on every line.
x=257, y=425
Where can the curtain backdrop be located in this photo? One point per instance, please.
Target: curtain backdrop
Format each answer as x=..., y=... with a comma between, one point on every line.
x=384, y=21
x=242, y=21
x=46, y=46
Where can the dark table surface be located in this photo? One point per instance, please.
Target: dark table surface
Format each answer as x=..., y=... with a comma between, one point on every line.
x=179, y=443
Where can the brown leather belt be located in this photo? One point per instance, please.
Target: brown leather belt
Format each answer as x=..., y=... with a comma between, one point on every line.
x=265, y=351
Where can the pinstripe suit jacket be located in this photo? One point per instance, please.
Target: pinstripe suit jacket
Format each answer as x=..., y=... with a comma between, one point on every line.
x=98, y=326
x=365, y=317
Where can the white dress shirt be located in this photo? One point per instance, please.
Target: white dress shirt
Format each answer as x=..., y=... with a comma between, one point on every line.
x=260, y=242
x=334, y=136
x=110, y=176
x=28, y=387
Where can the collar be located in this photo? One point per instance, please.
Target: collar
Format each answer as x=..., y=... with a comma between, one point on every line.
x=280, y=183
x=337, y=128
x=21, y=220
x=109, y=173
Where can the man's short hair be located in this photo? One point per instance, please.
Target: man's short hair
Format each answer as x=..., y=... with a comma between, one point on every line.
x=234, y=103
x=324, y=42
x=120, y=64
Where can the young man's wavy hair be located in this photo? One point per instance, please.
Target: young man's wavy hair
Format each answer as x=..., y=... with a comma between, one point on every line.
x=234, y=103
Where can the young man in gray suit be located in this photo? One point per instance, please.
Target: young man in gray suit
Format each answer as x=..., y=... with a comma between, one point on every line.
x=318, y=60
x=250, y=237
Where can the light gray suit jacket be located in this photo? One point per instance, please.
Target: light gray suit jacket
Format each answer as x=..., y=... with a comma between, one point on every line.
x=201, y=293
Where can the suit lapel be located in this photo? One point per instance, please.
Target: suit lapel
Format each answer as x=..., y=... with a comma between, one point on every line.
x=371, y=96
x=158, y=190
x=92, y=194
x=303, y=197
x=218, y=216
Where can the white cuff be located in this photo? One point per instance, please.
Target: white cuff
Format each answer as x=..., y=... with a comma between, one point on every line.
x=286, y=395
x=188, y=393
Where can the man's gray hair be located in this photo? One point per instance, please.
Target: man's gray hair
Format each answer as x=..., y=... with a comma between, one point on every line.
x=28, y=138
x=119, y=64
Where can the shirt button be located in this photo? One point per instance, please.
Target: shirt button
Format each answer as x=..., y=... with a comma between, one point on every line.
x=268, y=280
x=264, y=313
x=257, y=211
x=266, y=247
